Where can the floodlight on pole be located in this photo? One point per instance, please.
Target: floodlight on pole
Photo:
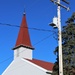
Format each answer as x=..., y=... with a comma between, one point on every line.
x=54, y=23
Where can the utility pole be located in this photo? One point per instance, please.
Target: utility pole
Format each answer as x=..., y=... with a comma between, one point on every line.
x=59, y=40
x=59, y=32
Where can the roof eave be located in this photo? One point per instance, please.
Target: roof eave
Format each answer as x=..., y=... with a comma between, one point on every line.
x=49, y=72
x=23, y=46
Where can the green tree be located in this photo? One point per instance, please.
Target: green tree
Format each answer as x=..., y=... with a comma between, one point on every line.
x=68, y=48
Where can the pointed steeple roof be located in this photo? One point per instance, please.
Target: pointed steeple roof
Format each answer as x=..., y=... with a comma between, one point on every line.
x=23, y=36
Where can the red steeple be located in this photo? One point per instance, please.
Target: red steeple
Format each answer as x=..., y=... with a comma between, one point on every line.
x=23, y=36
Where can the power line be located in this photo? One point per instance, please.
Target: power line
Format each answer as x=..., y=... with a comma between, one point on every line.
x=24, y=50
x=43, y=39
x=4, y=24
x=11, y=25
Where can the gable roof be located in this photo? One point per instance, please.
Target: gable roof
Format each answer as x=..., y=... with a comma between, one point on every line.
x=23, y=36
x=28, y=67
x=43, y=64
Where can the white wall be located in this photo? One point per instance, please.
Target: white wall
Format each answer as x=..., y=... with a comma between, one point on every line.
x=24, y=67
x=23, y=52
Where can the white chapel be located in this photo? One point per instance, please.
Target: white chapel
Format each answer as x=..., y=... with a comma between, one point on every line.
x=23, y=62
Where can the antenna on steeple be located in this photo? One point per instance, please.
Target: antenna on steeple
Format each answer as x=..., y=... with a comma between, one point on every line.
x=24, y=11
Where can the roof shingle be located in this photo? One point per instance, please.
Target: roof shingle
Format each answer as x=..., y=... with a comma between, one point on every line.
x=43, y=64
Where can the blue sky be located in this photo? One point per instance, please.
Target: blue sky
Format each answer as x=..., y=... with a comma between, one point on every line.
x=39, y=14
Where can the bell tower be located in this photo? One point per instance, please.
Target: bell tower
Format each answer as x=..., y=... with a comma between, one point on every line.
x=23, y=47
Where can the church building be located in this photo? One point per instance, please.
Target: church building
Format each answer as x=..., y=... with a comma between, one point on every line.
x=23, y=62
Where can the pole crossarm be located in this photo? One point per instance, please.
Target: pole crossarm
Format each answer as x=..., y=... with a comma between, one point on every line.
x=66, y=1
x=57, y=3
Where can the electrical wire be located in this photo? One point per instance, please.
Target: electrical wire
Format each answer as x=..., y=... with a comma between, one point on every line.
x=28, y=28
x=24, y=50
x=22, y=65
x=43, y=39
x=4, y=24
